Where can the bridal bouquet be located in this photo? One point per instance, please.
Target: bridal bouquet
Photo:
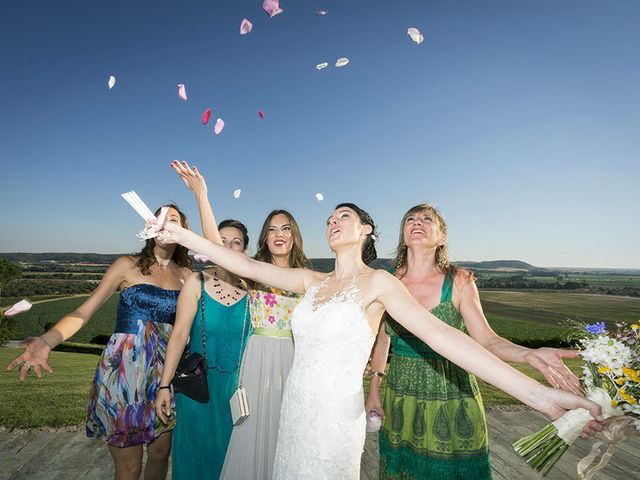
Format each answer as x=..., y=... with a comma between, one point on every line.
x=611, y=378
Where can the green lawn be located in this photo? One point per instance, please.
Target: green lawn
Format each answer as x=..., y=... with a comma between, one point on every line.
x=61, y=399
x=56, y=400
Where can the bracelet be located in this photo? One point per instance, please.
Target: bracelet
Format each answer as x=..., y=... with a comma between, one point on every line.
x=377, y=374
x=166, y=386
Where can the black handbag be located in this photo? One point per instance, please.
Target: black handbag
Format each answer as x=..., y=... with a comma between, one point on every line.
x=191, y=374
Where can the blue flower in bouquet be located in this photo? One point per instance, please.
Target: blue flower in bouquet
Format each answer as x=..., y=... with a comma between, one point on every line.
x=596, y=328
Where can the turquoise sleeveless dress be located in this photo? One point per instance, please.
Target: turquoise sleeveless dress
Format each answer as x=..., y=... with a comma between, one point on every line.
x=203, y=430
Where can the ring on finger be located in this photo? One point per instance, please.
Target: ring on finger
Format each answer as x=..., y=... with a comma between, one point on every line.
x=28, y=365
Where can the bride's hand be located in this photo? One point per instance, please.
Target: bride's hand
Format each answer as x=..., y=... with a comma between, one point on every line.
x=172, y=233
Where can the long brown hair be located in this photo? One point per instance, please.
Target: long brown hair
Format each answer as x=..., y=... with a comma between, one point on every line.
x=442, y=254
x=146, y=257
x=297, y=258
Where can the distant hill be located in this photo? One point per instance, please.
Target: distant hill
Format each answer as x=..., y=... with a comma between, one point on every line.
x=56, y=257
x=321, y=264
x=500, y=265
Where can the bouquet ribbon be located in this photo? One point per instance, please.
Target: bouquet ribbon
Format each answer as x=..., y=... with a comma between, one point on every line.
x=618, y=429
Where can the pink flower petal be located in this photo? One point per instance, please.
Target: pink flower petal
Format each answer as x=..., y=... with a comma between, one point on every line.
x=182, y=93
x=272, y=7
x=206, y=116
x=245, y=26
x=217, y=128
x=200, y=258
x=261, y=114
x=21, y=306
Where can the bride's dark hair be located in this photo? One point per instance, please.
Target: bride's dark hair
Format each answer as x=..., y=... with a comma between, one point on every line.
x=369, y=253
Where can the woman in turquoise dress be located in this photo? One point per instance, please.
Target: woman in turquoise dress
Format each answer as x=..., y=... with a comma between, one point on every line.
x=202, y=431
x=434, y=427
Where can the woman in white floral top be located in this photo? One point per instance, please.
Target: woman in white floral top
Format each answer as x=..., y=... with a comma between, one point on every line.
x=269, y=354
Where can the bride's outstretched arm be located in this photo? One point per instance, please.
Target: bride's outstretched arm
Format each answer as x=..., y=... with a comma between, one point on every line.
x=471, y=356
x=290, y=279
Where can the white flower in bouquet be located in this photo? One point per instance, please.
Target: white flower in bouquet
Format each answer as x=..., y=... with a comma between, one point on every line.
x=607, y=352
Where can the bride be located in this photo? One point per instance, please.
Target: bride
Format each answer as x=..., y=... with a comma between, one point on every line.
x=322, y=424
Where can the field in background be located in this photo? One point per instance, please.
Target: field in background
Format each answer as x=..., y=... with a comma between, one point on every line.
x=517, y=315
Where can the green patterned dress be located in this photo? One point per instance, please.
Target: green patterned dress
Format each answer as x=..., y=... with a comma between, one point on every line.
x=435, y=426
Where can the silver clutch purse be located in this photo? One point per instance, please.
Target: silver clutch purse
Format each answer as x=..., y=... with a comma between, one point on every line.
x=239, y=406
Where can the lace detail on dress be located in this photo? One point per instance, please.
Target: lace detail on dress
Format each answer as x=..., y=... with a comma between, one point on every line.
x=322, y=423
x=349, y=294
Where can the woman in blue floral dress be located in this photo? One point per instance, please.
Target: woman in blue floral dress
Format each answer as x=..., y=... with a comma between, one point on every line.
x=121, y=401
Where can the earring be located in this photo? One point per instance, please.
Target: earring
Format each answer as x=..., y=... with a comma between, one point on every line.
x=441, y=258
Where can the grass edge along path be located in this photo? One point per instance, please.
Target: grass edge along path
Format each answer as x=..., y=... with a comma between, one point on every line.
x=60, y=400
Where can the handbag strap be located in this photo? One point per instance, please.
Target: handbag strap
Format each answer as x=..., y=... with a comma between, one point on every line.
x=204, y=341
x=242, y=343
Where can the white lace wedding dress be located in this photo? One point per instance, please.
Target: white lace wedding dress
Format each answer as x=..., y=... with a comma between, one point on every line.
x=322, y=420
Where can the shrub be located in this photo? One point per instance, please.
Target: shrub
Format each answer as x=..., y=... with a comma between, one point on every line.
x=101, y=339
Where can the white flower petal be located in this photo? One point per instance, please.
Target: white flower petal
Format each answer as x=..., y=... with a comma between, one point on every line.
x=236, y=193
x=245, y=26
x=319, y=197
x=320, y=66
x=415, y=35
x=112, y=81
x=182, y=92
x=341, y=62
x=217, y=128
x=20, y=307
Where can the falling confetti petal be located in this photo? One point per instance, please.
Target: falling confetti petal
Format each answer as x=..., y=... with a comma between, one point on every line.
x=272, y=7
x=217, y=128
x=200, y=258
x=320, y=66
x=341, y=62
x=319, y=197
x=261, y=114
x=182, y=93
x=245, y=26
x=415, y=35
x=236, y=193
x=112, y=81
x=206, y=116
x=21, y=306
x=321, y=13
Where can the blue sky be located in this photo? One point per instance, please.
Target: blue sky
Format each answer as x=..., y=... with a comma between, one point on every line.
x=519, y=119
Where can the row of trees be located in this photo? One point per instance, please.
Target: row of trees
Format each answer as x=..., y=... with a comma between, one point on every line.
x=8, y=273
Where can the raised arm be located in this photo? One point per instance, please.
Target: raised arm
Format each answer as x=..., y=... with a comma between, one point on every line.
x=185, y=312
x=37, y=349
x=195, y=182
x=547, y=360
x=289, y=279
x=469, y=355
